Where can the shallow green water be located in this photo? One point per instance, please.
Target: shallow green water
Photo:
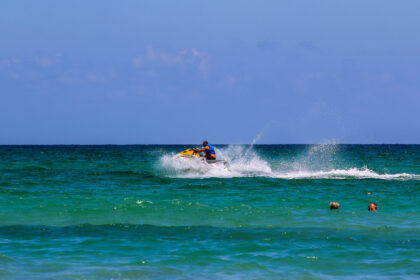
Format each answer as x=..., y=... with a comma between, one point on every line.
x=102, y=212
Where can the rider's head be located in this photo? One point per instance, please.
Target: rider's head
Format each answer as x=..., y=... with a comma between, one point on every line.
x=205, y=143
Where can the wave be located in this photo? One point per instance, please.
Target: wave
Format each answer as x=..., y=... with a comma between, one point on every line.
x=352, y=173
x=318, y=162
x=127, y=230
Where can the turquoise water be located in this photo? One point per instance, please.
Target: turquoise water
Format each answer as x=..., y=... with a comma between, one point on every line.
x=139, y=212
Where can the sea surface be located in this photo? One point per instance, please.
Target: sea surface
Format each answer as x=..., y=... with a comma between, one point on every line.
x=141, y=212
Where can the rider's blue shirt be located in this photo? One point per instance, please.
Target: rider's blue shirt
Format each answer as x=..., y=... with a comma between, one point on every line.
x=211, y=150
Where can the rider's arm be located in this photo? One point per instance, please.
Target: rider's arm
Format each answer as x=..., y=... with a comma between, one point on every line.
x=201, y=150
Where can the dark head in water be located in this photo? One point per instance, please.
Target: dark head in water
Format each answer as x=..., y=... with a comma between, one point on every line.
x=372, y=207
x=334, y=205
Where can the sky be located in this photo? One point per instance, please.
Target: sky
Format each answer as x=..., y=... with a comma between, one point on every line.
x=173, y=72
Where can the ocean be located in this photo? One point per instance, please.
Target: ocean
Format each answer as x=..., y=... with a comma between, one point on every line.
x=141, y=212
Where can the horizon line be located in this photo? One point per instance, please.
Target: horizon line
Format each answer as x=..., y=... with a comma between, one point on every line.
x=225, y=144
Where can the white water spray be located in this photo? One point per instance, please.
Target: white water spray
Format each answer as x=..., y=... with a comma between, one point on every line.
x=316, y=162
x=257, y=138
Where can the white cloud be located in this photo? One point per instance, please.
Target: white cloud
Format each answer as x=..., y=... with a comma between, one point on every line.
x=203, y=65
x=7, y=62
x=161, y=58
x=191, y=57
x=70, y=77
x=100, y=76
x=46, y=61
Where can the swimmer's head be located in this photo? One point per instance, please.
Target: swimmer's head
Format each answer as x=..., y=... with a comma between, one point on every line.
x=372, y=207
x=334, y=205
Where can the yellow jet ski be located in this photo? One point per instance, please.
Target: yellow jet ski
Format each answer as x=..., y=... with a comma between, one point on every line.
x=190, y=153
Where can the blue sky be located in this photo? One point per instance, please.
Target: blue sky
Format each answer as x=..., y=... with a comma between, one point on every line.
x=141, y=72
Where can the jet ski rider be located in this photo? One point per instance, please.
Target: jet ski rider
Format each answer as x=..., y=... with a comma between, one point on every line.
x=208, y=149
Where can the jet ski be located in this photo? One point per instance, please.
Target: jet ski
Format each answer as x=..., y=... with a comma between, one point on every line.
x=212, y=161
x=190, y=153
